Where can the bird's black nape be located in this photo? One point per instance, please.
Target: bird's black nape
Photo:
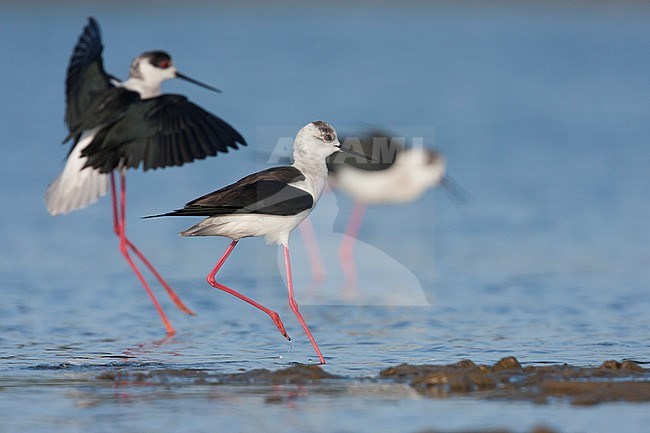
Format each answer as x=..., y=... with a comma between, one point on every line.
x=160, y=59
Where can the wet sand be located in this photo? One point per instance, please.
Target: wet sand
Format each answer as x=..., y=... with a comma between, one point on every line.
x=534, y=430
x=612, y=381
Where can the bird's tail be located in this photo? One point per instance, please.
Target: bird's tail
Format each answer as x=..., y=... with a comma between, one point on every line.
x=76, y=187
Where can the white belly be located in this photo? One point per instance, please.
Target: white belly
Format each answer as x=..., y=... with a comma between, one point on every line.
x=275, y=229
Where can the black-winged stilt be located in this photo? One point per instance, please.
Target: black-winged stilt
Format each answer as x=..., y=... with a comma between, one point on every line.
x=119, y=125
x=395, y=174
x=269, y=204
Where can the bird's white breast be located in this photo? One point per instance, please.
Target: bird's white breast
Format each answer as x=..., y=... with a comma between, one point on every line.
x=315, y=178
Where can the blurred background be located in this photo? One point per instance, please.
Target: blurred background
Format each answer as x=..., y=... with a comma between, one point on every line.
x=541, y=109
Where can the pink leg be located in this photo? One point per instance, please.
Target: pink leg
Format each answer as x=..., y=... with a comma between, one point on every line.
x=116, y=228
x=346, y=251
x=125, y=252
x=294, y=305
x=116, y=222
x=214, y=283
x=313, y=251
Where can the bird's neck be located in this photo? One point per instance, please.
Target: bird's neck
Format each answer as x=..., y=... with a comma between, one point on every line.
x=315, y=175
x=145, y=89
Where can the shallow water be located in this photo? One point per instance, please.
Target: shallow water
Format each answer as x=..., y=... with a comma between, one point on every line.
x=542, y=112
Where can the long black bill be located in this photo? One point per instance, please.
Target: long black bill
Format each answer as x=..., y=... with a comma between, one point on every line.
x=198, y=83
x=455, y=190
x=355, y=153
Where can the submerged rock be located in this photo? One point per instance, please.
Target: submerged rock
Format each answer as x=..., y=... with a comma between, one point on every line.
x=506, y=379
x=625, y=365
x=299, y=374
x=589, y=393
x=507, y=364
x=612, y=381
x=534, y=430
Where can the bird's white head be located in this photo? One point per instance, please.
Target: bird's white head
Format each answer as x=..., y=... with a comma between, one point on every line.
x=150, y=69
x=315, y=142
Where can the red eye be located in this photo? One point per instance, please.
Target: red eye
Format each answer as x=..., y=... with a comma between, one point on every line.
x=164, y=64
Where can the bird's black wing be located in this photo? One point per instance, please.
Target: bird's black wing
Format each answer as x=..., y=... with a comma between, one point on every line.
x=267, y=192
x=86, y=80
x=167, y=130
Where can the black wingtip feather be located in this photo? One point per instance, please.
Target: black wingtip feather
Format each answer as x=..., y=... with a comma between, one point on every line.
x=180, y=212
x=157, y=216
